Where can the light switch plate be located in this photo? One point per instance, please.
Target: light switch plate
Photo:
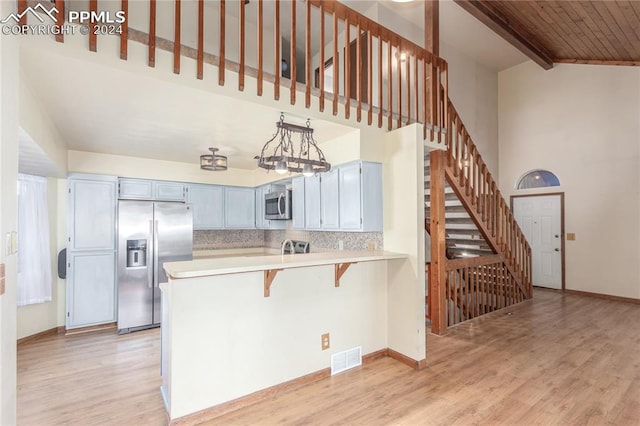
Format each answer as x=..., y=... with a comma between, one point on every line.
x=571, y=236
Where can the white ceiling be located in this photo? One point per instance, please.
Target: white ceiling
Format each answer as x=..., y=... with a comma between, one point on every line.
x=133, y=115
x=124, y=113
x=464, y=33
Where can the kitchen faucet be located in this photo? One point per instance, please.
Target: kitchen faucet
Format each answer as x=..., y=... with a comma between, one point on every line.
x=284, y=244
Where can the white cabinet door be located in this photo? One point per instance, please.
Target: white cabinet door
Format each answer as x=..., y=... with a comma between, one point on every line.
x=261, y=222
x=312, y=202
x=168, y=191
x=92, y=290
x=371, y=181
x=361, y=197
x=239, y=207
x=207, y=203
x=135, y=189
x=92, y=213
x=297, y=198
x=350, y=197
x=329, y=192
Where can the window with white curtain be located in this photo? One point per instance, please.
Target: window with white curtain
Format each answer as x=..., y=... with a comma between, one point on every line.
x=34, y=250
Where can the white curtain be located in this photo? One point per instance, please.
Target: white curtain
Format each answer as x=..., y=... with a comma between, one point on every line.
x=34, y=251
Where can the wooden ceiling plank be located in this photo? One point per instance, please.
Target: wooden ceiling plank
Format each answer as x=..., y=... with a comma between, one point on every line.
x=617, y=33
x=633, y=24
x=606, y=49
x=508, y=31
x=584, y=45
x=558, y=41
x=626, y=35
x=607, y=23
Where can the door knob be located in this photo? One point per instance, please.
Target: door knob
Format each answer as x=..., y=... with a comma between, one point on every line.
x=557, y=236
x=557, y=249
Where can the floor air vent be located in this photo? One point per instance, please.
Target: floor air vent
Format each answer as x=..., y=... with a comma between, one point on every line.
x=345, y=360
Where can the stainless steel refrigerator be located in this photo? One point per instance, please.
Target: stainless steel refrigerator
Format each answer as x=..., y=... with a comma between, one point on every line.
x=149, y=234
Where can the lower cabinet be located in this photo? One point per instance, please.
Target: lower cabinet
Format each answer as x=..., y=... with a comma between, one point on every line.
x=91, y=288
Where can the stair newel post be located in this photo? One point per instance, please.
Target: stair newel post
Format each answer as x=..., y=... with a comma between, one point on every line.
x=437, y=283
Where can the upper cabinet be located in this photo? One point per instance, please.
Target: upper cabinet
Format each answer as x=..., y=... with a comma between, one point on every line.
x=297, y=199
x=207, y=202
x=239, y=207
x=92, y=212
x=169, y=191
x=329, y=200
x=361, y=197
x=155, y=190
x=312, y=219
x=348, y=198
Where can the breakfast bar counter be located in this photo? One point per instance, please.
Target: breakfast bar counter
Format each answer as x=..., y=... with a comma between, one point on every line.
x=235, y=328
x=251, y=262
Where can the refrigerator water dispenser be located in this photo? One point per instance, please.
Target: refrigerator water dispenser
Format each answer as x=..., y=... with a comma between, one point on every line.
x=136, y=253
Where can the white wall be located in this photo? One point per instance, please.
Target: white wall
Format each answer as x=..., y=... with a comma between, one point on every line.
x=9, y=103
x=403, y=177
x=40, y=317
x=37, y=123
x=582, y=123
x=473, y=90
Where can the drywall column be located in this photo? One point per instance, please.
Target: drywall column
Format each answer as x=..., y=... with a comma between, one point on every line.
x=403, y=172
x=9, y=84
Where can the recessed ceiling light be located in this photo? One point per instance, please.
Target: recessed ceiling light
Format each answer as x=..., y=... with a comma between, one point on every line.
x=402, y=1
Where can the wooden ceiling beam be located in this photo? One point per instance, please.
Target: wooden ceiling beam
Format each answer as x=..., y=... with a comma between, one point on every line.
x=507, y=31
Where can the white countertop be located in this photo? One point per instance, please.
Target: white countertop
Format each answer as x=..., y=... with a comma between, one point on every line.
x=253, y=262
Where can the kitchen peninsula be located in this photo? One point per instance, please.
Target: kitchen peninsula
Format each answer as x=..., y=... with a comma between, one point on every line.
x=235, y=326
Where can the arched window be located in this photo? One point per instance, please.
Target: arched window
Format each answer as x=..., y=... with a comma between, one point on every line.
x=538, y=179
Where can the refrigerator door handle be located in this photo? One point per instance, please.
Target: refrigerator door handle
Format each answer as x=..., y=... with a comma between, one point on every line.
x=155, y=253
x=149, y=256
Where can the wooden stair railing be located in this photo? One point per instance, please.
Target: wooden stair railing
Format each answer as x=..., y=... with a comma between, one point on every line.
x=467, y=173
x=382, y=73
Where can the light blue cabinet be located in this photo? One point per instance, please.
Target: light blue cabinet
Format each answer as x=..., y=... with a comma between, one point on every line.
x=361, y=197
x=261, y=222
x=156, y=190
x=239, y=207
x=329, y=200
x=92, y=212
x=207, y=202
x=312, y=217
x=91, y=250
x=169, y=191
x=297, y=199
x=92, y=290
x=348, y=198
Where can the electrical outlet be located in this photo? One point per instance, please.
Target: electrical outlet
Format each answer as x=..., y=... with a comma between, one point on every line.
x=340, y=245
x=325, y=341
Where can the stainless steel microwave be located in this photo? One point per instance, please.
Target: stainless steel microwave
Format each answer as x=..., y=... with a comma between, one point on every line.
x=277, y=205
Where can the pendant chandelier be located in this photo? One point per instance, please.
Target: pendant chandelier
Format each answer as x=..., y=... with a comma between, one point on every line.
x=281, y=154
x=213, y=161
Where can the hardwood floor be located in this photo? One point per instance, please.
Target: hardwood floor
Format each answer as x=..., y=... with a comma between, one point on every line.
x=559, y=359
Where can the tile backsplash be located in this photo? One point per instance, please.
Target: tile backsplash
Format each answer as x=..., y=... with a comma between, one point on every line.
x=225, y=239
x=327, y=241
x=319, y=241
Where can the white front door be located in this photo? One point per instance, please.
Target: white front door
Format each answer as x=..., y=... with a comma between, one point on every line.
x=539, y=218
